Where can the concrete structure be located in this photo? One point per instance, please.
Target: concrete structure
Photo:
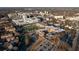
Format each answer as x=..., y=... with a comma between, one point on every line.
x=76, y=18
x=24, y=20
x=46, y=45
x=43, y=44
x=59, y=17
x=53, y=29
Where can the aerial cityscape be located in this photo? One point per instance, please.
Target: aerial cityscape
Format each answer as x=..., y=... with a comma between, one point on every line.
x=39, y=29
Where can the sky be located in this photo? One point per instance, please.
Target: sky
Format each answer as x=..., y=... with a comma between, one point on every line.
x=39, y=3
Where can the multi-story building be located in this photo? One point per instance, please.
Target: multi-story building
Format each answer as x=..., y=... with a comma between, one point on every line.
x=24, y=20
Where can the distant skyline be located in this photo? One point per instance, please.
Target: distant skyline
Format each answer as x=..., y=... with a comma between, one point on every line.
x=57, y=8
